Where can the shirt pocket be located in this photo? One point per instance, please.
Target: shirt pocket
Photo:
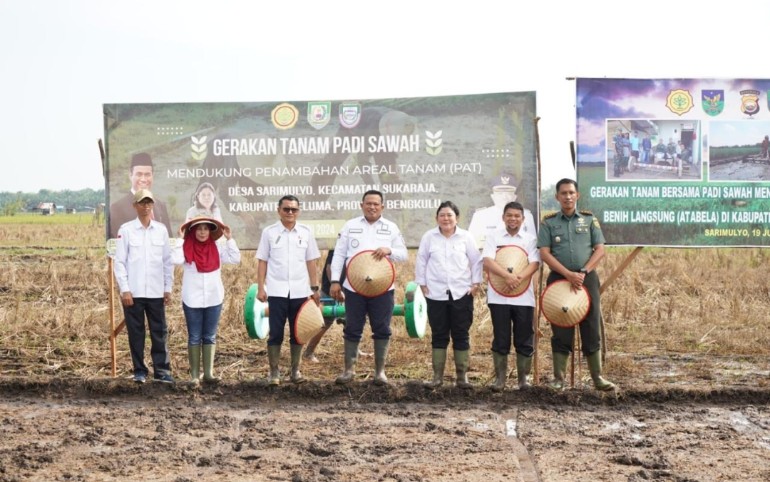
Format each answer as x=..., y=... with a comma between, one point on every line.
x=157, y=245
x=556, y=235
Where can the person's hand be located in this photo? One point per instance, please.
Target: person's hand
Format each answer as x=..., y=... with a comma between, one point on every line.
x=316, y=296
x=126, y=299
x=166, y=298
x=380, y=253
x=576, y=279
x=335, y=291
x=512, y=281
x=226, y=232
x=425, y=290
x=475, y=289
x=180, y=233
x=262, y=294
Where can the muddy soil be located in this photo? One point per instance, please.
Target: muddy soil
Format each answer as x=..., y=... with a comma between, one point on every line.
x=113, y=430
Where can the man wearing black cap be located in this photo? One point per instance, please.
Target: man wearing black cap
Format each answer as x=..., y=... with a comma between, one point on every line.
x=121, y=211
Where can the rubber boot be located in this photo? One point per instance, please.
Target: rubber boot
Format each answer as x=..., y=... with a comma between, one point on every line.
x=439, y=362
x=296, y=356
x=273, y=357
x=351, y=356
x=208, y=363
x=501, y=371
x=559, y=369
x=462, y=362
x=595, y=366
x=380, y=355
x=194, y=356
x=523, y=367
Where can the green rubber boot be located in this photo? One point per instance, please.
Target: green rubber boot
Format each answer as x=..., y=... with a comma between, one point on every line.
x=208, y=363
x=351, y=356
x=194, y=356
x=380, y=355
x=273, y=357
x=595, y=366
x=559, y=369
x=462, y=362
x=296, y=357
x=523, y=368
x=439, y=362
x=501, y=371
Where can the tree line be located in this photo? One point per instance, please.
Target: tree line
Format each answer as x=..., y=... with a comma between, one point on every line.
x=83, y=199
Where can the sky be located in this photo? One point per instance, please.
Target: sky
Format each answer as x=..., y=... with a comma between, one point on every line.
x=62, y=60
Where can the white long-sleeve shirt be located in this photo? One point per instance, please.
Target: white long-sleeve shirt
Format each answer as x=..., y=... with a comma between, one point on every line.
x=202, y=290
x=142, y=262
x=452, y=263
x=359, y=235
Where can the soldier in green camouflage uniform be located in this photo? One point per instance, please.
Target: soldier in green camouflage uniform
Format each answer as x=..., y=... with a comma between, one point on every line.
x=572, y=244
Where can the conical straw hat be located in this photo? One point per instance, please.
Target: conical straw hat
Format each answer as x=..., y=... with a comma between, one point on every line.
x=562, y=306
x=309, y=322
x=513, y=259
x=217, y=227
x=368, y=276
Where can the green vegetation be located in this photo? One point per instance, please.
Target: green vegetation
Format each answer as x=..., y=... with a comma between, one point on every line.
x=17, y=202
x=717, y=153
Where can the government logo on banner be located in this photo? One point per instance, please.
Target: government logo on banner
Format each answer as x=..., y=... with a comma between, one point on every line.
x=750, y=102
x=350, y=114
x=713, y=101
x=319, y=114
x=284, y=116
x=679, y=101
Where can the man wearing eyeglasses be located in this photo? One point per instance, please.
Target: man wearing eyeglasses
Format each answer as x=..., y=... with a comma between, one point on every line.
x=370, y=232
x=287, y=276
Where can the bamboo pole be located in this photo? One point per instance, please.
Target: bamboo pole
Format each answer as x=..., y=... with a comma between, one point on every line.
x=537, y=313
x=113, y=332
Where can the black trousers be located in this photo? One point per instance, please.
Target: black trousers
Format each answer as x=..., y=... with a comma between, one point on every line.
x=451, y=318
x=282, y=309
x=379, y=310
x=590, y=328
x=156, y=319
x=510, y=320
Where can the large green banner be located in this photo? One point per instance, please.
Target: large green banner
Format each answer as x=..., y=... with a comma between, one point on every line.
x=236, y=160
x=676, y=162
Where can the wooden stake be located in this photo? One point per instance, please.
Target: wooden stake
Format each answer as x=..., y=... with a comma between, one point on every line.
x=113, y=332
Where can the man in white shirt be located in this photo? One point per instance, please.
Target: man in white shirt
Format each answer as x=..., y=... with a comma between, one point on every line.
x=287, y=276
x=515, y=312
x=363, y=233
x=145, y=276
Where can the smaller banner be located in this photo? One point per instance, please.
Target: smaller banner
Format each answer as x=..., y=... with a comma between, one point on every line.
x=676, y=162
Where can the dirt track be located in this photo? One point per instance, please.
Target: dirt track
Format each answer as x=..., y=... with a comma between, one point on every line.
x=105, y=430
